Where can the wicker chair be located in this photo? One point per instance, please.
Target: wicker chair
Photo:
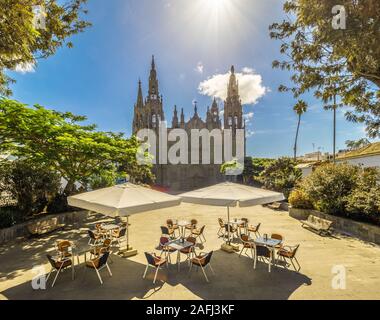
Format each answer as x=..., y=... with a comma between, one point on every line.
x=222, y=229
x=190, y=251
x=59, y=265
x=154, y=261
x=247, y=245
x=164, y=241
x=202, y=261
x=199, y=233
x=278, y=237
x=172, y=226
x=192, y=225
x=100, y=263
x=254, y=229
x=165, y=231
x=289, y=253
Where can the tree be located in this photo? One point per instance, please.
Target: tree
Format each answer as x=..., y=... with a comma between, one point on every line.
x=300, y=108
x=60, y=141
x=354, y=145
x=32, y=185
x=24, y=39
x=281, y=175
x=334, y=63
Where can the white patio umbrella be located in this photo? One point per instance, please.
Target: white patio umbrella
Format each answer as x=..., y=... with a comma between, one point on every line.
x=230, y=194
x=123, y=200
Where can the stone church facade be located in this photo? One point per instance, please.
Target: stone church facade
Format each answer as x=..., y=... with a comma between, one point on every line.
x=148, y=113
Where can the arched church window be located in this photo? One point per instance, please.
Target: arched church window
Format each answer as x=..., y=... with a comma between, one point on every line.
x=230, y=121
x=236, y=120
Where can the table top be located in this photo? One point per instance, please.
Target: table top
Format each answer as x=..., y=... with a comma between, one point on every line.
x=178, y=245
x=110, y=227
x=183, y=223
x=269, y=242
x=238, y=221
x=82, y=248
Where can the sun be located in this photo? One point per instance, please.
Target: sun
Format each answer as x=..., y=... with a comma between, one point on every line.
x=216, y=4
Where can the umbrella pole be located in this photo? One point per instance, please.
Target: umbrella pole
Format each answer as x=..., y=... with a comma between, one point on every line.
x=127, y=232
x=228, y=224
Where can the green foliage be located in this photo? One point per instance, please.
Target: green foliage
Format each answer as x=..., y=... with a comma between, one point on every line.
x=230, y=167
x=9, y=216
x=332, y=62
x=343, y=190
x=103, y=180
x=32, y=185
x=299, y=199
x=281, y=175
x=59, y=204
x=22, y=43
x=60, y=141
x=354, y=145
x=364, y=200
x=253, y=167
x=329, y=185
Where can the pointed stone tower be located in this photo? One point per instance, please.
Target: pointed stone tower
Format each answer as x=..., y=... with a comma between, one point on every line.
x=233, y=111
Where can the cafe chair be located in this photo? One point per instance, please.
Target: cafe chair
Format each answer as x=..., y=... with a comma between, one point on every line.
x=289, y=253
x=154, y=261
x=100, y=263
x=202, y=261
x=58, y=265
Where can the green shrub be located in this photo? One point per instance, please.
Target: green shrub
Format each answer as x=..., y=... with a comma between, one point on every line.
x=59, y=205
x=9, y=216
x=329, y=186
x=299, y=199
x=364, y=201
x=32, y=185
x=281, y=175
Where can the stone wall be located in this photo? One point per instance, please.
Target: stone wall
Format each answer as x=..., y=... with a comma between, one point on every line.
x=361, y=230
x=21, y=230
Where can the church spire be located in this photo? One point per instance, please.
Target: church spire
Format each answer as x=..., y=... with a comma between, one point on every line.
x=153, y=63
x=140, y=100
x=175, y=123
x=182, y=124
x=153, y=82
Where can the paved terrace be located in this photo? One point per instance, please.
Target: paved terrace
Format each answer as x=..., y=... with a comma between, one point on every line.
x=235, y=277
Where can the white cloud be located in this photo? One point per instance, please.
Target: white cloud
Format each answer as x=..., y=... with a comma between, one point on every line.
x=200, y=67
x=250, y=86
x=25, y=67
x=249, y=133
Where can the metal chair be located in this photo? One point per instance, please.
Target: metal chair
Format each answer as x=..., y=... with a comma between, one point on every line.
x=154, y=261
x=192, y=225
x=254, y=229
x=247, y=245
x=190, y=251
x=59, y=265
x=94, y=238
x=202, y=261
x=199, y=233
x=166, y=231
x=222, y=229
x=289, y=252
x=171, y=225
x=164, y=241
x=100, y=263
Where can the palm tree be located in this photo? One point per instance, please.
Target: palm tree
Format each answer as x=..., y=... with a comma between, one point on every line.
x=300, y=108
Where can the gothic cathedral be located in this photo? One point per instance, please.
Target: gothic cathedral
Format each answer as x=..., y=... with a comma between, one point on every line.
x=148, y=113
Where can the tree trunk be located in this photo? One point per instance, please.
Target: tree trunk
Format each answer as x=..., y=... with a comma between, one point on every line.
x=70, y=188
x=296, y=140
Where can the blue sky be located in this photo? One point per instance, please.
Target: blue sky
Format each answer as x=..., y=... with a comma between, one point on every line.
x=192, y=41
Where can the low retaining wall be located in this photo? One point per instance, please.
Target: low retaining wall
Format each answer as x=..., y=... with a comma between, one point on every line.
x=21, y=230
x=361, y=230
